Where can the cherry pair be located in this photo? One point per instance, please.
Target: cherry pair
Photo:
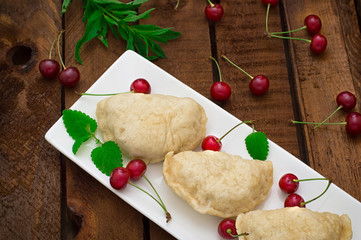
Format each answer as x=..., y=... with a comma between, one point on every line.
x=49, y=68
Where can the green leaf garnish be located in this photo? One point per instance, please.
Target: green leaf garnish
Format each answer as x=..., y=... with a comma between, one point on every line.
x=121, y=18
x=257, y=145
x=78, y=124
x=107, y=157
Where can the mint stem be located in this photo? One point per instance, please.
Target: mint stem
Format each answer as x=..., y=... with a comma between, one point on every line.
x=220, y=139
x=219, y=70
x=237, y=66
x=267, y=14
x=291, y=31
x=328, y=185
x=293, y=38
x=328, y=117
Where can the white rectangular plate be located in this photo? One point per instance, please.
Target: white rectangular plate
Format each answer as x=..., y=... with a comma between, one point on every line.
x=187, y=223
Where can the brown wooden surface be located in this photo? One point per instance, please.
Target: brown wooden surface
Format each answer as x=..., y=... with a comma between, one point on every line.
x=45, y=196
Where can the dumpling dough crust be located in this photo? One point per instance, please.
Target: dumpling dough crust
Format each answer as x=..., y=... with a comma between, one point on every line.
x=293, y=224
x=147, y=126
x=218, y=183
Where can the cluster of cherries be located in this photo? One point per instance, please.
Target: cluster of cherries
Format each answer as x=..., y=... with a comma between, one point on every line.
x=49, y=68
x=289, y=184
x=312, y=24
x=346, y=101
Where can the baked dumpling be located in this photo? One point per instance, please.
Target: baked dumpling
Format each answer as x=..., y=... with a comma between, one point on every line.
x=293, y=224
x=218, y=183
x=147, y=126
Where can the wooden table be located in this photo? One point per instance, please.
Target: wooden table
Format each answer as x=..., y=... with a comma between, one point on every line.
x=46, y=196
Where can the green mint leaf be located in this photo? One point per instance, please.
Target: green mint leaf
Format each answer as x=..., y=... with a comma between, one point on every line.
x=257, y=145
x=65, y=6
x=78, y=125
x=133, y=18
x=78, y=142
x=107, y=157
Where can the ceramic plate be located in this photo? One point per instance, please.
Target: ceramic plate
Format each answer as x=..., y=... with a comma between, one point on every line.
x=187, y=223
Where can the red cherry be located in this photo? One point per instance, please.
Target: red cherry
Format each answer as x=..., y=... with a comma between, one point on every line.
x=353, y=123
x=226, y=226
x=69, y=76
x=271, y=2
x=287, y=184
x=313, y=24
x=294, y=200
x=214, y=11
x=49, y=68
x=211, y=143
x=220, y=91
x=318, y=44
x=119, y=178
x=140, y=85
x=136, y=168
x=259, y=85
x=347, y=100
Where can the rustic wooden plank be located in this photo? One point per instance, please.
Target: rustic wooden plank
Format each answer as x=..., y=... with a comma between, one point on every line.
x=187, y=57
x=29, y=106
x=240, y=37
x=103, y=214
x=319, y=80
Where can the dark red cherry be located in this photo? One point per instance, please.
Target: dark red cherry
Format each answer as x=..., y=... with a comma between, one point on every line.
x=271, y=2
x=211, y=143
x=318, y=44
x=119, y=178
x=287, y=184
x=353, y=123
x=259, y=85
x=214, y=12
x=347, y=100
x=294, y=200
x=136, y=168
x=220, y=91
x=140, y=85
x=69, y=76
x=49, y=68
x=225, y=227
x=313, y=24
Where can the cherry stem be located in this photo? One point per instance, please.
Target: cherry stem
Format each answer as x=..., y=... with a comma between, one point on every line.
x=229, y=231
x=309, y=179
x=220, y=139
x=210, y=3
x=267, y=14
x=339, y=123
x=61, y=60
x=51, y=49
x=328, y=185
x=168, y=216
x=301, y=39
x=237, y=67
x=160, y=199
x=291, y=31
x=328, y=117
x=100, y=94
x=219, y=70
x=176, y=6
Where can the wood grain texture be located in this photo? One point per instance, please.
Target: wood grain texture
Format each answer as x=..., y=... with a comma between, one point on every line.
x=319, y=79
x=103, y=215
x=240, y=37
x=29, y=105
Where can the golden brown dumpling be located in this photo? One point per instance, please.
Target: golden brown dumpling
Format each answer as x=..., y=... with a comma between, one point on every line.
x=218, y=183
x=293, y=224
x=147, y=126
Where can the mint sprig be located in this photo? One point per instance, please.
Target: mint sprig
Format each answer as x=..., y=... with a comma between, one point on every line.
x=257, y=145
x=81, y=128
x=119, y=17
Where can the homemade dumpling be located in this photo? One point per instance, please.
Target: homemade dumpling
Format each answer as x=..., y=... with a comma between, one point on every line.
x=218, y=183
x=293, y=224
x=147, y=126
